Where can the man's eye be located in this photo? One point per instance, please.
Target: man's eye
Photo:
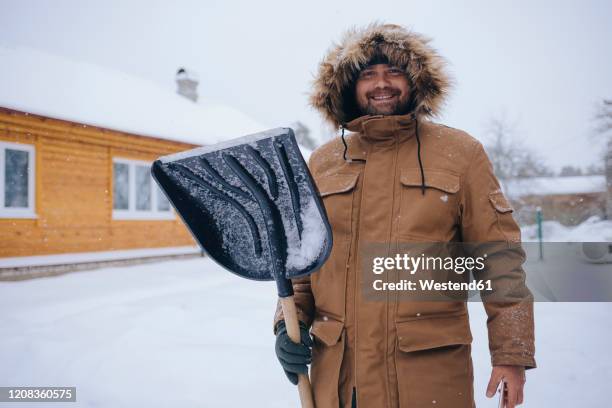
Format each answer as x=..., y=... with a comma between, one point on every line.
x=367, y=74
x=396, y=71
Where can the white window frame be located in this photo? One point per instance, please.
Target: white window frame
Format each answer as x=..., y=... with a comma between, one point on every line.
x=132, y=213
x=11, y=212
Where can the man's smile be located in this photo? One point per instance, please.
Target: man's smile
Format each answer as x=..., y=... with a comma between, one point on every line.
x=383, y=97
x=383, y=101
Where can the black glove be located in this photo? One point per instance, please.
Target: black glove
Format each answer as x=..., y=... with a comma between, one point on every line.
x=292, y=356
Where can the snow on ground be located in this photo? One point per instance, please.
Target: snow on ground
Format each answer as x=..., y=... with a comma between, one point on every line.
x=189, y=334
x=593, y=229
x=97, y=256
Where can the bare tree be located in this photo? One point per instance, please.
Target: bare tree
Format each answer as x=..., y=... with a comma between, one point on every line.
x=595, y=169
x=601, y=129
x=567, y=171
x=303, y=136
x=510, y=157
x=603, y=117
x=502, y=147
x=532, y=165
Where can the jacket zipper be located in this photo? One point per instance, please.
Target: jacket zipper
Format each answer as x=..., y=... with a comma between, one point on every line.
x=355, y=277
x=354, y=260
x=391, y=235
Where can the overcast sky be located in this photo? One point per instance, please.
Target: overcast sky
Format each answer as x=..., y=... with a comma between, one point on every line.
x=543, y=64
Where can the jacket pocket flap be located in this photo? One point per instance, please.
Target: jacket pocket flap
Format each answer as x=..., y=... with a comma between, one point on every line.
x=499, y=201
x=433, y=332
x=327, y=330
x=337, y=183
x=440, y=179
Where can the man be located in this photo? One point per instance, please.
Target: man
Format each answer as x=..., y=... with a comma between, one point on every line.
x=398, y=178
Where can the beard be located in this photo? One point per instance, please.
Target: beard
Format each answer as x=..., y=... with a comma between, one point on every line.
x=398, y=107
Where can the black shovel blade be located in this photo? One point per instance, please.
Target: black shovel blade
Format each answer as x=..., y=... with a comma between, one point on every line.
x=251, y=204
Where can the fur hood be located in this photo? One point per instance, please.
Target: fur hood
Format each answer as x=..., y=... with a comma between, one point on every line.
x=403, y=48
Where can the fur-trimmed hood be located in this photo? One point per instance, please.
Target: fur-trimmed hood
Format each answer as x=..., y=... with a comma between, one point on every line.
x=403, y=48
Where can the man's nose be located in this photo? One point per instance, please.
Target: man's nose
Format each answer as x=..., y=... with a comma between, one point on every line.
x=382, y=81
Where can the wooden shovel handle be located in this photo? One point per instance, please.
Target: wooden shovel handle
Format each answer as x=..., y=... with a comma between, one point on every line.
x=293, y=330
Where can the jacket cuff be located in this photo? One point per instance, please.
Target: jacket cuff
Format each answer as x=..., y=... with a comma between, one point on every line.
x=513, y=359
x=302, y=317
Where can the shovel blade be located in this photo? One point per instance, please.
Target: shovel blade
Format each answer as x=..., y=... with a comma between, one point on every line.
x=251, y=204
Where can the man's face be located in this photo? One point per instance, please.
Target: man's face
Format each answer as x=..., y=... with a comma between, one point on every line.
x=382, y=89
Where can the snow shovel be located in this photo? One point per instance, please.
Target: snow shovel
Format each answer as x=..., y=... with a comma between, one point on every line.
x=253, y=207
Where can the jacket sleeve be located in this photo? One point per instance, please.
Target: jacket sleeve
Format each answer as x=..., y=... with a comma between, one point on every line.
x=487, y=227
x=304, y=302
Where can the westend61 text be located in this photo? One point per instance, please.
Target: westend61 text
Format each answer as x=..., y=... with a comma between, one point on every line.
x=430, y=284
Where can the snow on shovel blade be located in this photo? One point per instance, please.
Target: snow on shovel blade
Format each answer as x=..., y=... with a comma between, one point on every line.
x=251, y=204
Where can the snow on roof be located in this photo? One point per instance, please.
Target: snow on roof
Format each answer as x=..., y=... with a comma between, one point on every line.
x=555, y=185
x=39, y=83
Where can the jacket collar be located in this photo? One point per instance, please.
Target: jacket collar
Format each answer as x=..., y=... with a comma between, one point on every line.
x=384, y=129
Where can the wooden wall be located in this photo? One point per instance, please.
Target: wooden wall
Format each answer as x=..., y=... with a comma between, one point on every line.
x=568, y=209
x=74, y=190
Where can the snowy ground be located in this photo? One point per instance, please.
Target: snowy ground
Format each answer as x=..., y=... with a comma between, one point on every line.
x=593, y=229
x=188, y=334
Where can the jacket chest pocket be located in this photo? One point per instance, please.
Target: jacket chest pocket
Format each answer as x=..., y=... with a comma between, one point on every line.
x=337, y=194
x=328, y=284
x=433, y=216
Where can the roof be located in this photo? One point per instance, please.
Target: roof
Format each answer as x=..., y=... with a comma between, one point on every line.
x=48, y=85
x=555, y=185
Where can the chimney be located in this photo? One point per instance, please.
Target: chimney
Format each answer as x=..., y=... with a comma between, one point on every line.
x=187, y=84
x=608, y=168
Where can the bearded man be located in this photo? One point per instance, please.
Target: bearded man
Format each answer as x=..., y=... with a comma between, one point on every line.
x=399, y=177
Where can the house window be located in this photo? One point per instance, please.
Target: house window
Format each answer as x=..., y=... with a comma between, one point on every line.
x=136, y=195
x=16, y=180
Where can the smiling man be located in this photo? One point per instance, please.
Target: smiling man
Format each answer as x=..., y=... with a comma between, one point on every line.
x=382, y=89
x=398, y=178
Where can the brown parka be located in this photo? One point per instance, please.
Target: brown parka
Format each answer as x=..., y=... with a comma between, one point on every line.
x=396, y=353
